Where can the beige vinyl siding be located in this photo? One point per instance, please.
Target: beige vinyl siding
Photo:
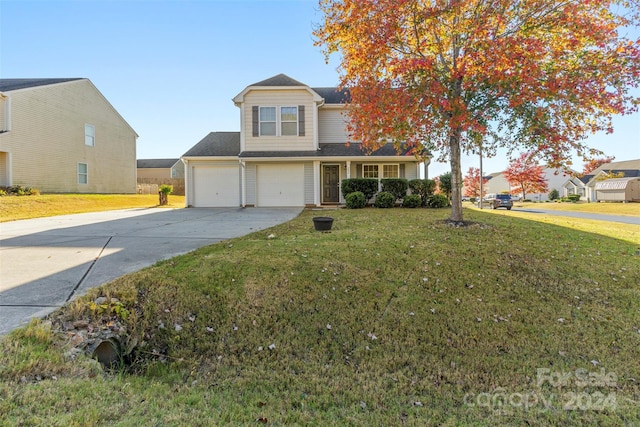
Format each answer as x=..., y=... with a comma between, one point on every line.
x=309, y=184
x=278, y=98
x=154, y=173
x=47, y=140
x=3, y=112
x=250, y=176
x=4, y=169
x=332, y=126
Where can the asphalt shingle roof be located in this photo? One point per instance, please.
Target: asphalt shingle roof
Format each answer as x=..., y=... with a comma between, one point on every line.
x=216, y=144
x=15, y=84
x=155, y=163
x=329, y=150
x=333, y=95
x=279, y=80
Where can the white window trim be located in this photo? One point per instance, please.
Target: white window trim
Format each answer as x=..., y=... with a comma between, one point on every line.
x=93, y=137
x=296, y=121
x=260, y=121
x=83, y=174
x=279, y=121
x=380, y=167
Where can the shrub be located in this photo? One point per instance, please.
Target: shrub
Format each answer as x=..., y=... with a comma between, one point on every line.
x=165, y=189
x=437, y=201
x=355, y=200
x=384, y=199
x=367, y=186
x=412, y=201
x=19, y=190
x=422, y=187
x=396, y=186
x=553, y=194
x=473, y=199
x=573, y=198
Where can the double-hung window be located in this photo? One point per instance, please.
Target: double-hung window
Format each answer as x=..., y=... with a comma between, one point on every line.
x=83, y=173
x=288, y=121
x=89, y=135
x=370, y=171
x=268, y=121
x=381, y=171
x=390, y=171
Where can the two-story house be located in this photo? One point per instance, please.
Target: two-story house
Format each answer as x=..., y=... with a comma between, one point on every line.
x=293, y=149
x=63, y=136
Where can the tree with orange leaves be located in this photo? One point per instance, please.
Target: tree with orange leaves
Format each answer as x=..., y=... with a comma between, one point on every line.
x=472, y=183
x=459, y=76
x=594, y=164
x=526, y=175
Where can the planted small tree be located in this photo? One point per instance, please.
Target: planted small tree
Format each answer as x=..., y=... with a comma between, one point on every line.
x=163, y=191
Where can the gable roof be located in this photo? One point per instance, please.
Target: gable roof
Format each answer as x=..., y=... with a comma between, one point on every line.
x=156, y=163
x=618, y=166
x=15, y=84
x=279, y=80
x=216, y=144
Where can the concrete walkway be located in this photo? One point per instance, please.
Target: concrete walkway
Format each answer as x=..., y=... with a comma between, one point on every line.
x=46, y=262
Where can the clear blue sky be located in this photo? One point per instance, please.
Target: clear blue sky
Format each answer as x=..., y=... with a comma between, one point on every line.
x=170, y=68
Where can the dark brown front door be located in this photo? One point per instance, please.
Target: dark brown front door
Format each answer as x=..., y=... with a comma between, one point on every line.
x=330, y=180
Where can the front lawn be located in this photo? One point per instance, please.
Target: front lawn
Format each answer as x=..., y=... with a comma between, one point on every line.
x=393, y=318
x=24, y=207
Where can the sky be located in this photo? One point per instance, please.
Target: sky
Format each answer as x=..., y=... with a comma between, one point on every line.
x=171, y=68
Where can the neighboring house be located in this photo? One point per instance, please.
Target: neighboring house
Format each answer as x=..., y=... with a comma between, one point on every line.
x=292, y=150
x=160, y=168
x=62, y=135
x=585, y=185
x=555, y=179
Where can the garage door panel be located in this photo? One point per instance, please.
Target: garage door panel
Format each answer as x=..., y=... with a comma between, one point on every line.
x=216, y=186
x=280, y=185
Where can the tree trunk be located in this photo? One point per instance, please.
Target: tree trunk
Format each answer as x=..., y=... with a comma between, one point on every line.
x=456, y=175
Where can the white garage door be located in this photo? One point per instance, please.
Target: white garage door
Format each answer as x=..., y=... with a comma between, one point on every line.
x=280, y=185
x=216, y=186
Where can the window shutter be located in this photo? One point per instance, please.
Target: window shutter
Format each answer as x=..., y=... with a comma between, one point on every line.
x=401, y=172
x=300, y=120
x=254, y=118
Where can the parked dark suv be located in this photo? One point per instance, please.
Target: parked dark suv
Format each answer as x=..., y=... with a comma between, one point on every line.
x=496, y=201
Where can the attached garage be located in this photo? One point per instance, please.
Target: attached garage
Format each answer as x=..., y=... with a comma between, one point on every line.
x=280, y=185
x=216, y=186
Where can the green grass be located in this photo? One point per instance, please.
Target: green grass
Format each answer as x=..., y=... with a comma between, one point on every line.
x=393, y=318
x=24, y=207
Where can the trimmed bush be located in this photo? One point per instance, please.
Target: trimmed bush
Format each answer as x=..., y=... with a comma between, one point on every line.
x=384, y=199
x=573, y=197
x=422, y=187
x=396, y=186
x=355, y=200
x=412, y=201
x=437, y=201
x=367, y=186
x=19, y=190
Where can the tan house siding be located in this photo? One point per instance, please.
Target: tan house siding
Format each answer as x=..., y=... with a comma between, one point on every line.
x=47, y=140
x=278, y=98
x=154, y=173
x=332, y=126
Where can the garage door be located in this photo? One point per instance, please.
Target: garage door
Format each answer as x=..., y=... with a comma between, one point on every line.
x=217, y=186
x=280, y=185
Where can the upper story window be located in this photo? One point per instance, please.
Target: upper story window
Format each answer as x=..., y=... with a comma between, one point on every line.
x=288, y=121
x=278, y=121
x=89, y=135
x=268, y=121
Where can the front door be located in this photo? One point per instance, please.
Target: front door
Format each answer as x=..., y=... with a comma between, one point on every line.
x=330, y=181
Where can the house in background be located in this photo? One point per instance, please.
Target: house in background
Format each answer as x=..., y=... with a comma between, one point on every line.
x=160, y=168
x=154, y=172
x=63, y=136
x=292, y=150
x=555, y=179
x=587, y=186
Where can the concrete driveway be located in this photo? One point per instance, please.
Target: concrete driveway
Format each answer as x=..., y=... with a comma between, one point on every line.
x=46, y=262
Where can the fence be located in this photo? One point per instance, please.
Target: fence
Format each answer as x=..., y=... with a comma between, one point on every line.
x=150, y=185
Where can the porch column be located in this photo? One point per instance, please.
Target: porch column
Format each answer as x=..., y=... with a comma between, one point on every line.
x=243, y=184
x=317, y=183
x=348, y=169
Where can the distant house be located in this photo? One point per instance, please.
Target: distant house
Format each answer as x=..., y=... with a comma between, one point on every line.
x=555, y=179
x=292, y=150
x=586, y=185
x=63, y=136
x=160, y=168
